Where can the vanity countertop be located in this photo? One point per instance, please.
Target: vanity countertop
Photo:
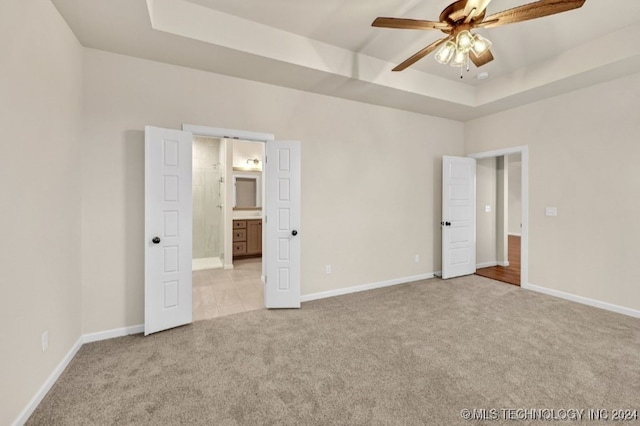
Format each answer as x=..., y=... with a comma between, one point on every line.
x=247, y=217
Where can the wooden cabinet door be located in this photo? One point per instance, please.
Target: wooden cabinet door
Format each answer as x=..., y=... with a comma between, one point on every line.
x=254, y=236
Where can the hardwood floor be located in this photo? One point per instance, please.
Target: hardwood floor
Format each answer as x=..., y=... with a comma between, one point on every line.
x=508, y=274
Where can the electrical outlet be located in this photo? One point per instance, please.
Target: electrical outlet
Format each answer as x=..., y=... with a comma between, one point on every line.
x=417, y=258
x=45, y=340
x=487, y=208
x=328, y=269
x=551, y=211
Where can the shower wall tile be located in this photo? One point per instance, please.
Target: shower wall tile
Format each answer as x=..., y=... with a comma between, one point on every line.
x=207, y=203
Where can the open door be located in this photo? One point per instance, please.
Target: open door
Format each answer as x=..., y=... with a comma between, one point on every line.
x=282, y=281
x=458, y=216
x=168, y=223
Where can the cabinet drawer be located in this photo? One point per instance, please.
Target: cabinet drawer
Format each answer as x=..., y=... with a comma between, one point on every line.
x=239, y=235
x=239, y=224
x=239, y=248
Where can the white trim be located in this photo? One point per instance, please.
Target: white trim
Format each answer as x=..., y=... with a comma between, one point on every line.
x=499, y=152
x=491, y=264
x=514, y=234
x=364, y=287
x=46, y=386
x=55, y=375
x=218, y=132
x=583, y=300
x=111, y=334
x=524, y=251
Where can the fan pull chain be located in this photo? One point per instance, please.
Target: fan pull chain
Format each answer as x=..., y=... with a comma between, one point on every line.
x=467, y=63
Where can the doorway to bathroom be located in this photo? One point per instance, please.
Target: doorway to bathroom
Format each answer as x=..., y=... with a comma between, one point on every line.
x=227, y=226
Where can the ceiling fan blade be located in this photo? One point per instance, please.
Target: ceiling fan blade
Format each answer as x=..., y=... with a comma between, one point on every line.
x=530, y=11
x=481, y=60
x=410, y=24
x=421, y=54
x=474, y=8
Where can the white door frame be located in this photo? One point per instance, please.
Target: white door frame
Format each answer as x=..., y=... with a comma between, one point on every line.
x=524, y=251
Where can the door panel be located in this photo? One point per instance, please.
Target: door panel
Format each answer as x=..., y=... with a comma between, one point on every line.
x=282, y=289
x=168, y=223
x=458, y=216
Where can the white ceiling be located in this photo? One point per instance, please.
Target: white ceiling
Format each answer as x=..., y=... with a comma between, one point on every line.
x=329, y=47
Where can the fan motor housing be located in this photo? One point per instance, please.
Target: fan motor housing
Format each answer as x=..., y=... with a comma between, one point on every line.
x=454, y=15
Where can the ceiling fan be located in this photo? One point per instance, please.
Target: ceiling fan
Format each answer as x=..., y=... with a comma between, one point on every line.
x=459, y=18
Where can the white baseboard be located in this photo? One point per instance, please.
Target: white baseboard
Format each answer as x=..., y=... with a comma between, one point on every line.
x=46, y=386
x=53, y=377
x=584, y=300
x=513, y=234
x=364, y=287
x=491, y=264
x=110, y=334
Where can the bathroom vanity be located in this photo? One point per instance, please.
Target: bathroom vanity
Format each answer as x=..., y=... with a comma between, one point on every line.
x=247, y=238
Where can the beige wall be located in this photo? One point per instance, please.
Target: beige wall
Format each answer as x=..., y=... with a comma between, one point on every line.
x=486, y=222
x=370, y=176
x=502, y=205
x=584, y=154
x=245, y=150
x=40, y=113
x=515, y=194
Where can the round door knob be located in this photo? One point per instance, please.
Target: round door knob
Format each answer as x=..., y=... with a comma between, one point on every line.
x=294, y=232
x=156, y=240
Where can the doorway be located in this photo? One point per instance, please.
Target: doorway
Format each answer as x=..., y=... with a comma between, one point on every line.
x=503, y=251
x=227, y=195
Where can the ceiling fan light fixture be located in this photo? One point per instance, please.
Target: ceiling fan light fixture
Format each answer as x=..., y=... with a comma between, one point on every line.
x=464, y=41
x=446, y=52
x=460, y=17
x=460, y=58
x=480, y=45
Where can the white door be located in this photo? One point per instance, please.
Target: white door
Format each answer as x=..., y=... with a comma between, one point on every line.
x=458, y=216
x=282, y=287
x=168, y=223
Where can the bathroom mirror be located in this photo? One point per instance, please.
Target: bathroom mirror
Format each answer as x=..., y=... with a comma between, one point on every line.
x=246, y=191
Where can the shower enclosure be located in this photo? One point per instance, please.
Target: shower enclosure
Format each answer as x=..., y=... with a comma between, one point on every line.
x=208, y=197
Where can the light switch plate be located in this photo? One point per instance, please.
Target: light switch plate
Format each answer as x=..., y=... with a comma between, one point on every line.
x=551, y=211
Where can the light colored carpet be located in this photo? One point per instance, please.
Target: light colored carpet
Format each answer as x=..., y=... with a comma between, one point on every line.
x=411, y=354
